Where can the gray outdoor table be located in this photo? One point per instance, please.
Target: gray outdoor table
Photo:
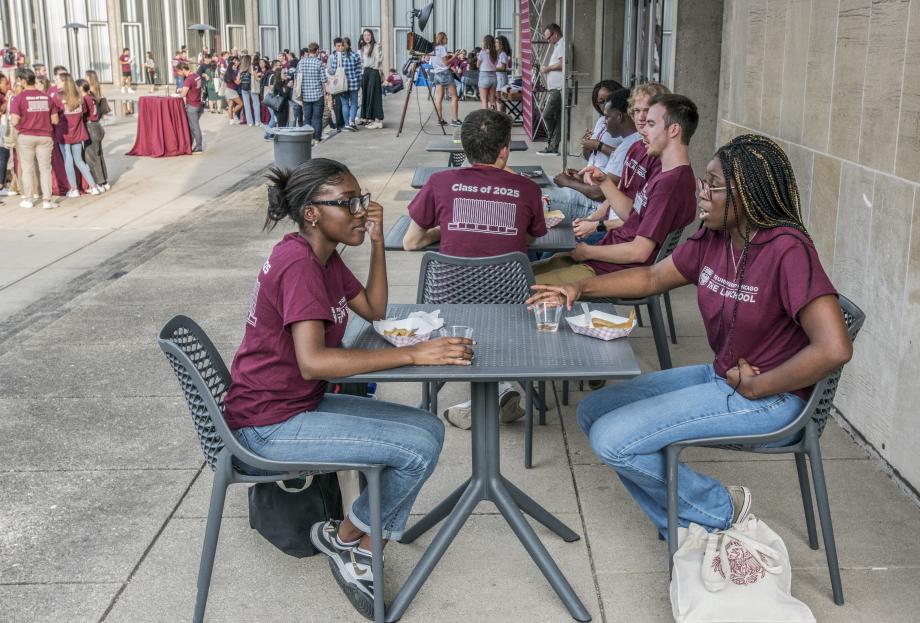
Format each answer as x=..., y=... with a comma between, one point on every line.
x=455, y=150
x=559, y=238
x=421, y=174
x=508, y=347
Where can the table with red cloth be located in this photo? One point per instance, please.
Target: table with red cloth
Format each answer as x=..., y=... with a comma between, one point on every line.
x=162, y=128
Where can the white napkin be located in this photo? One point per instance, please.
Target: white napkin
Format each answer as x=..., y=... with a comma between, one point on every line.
x=424, y=323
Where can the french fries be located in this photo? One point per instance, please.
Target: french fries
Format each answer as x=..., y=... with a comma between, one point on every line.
x=599, y=323
x=400, y=332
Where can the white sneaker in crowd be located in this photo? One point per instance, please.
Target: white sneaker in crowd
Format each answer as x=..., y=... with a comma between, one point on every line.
x=509, y=401
x=26, y=203
x=95, y=190
x=73, y=192
x=106, y=186
x=4, y=192
x=130, y=90
x=48, y=205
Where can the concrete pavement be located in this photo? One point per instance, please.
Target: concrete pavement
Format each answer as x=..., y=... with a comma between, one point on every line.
x=103, y=486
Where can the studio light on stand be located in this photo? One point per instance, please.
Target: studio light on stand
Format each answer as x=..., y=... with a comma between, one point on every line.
x=418, y=46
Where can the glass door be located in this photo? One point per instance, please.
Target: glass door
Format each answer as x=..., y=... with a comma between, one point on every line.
x=134, y=40
x=648, y=41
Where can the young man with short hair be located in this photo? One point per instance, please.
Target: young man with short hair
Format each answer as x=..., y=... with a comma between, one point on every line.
x=665, y=203
x=482, y=210
x=33, y=114
x=191, y=93
x=479, y=211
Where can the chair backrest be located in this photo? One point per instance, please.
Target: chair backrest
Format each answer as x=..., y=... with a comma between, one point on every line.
x=670, y=243
x=822, y=398
x=502, y=279
x=204, y=379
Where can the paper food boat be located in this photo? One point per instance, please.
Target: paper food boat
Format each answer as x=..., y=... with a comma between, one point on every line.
x=553, y=217
x=418, y=325
x=578, y=325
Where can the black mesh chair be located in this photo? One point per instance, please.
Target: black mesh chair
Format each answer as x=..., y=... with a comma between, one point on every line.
x=503, y=279
x=205, y=380
x=805, y=431
x=654, y=311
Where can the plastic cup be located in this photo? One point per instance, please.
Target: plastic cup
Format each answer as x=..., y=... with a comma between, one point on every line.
x=456, y=331
x=547, y=316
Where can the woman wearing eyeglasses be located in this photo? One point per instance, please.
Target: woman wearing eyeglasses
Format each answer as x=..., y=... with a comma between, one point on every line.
x=771, y=317
x=277, y=404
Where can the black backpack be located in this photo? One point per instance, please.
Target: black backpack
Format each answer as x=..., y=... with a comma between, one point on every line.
x=9, y=57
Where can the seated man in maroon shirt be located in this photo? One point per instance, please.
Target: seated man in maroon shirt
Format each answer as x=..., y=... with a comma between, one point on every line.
x=665, y=203
x=482, y=210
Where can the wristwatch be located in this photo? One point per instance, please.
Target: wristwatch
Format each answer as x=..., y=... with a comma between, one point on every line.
x=601, y=226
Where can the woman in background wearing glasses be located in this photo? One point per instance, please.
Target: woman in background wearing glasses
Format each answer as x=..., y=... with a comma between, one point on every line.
x=277, y=405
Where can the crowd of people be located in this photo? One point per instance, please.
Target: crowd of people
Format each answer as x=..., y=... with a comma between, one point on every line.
x=51, y=134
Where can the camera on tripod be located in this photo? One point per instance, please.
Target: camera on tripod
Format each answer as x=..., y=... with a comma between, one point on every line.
x=416, y=44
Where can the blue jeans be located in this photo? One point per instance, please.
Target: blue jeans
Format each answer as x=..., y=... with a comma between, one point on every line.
x=251, y=107
x=180, y=80
x=272, y=121
x=295, y=114
x=571, y=202
x=313, y=116
x=73, y=154
x=349, y=101
x=630, y=424
x=350, y=429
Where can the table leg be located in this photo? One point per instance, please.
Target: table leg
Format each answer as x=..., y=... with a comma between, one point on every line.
x=435, y=515
x=487, y=483
x=529, y=506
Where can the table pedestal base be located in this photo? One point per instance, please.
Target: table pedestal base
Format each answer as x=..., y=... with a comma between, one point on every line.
x=487, y=483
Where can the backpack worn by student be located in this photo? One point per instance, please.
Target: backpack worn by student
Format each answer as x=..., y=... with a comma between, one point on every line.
x=9, y=58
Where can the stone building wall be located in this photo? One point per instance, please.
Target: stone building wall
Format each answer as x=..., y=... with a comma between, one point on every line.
x=837, y=83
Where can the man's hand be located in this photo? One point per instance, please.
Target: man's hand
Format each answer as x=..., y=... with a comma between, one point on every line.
x=583, y=227
x=593, y=175
x=581, y=252
x=591, y=143
x=562, y=180
x=741, y=377
x=374, y=221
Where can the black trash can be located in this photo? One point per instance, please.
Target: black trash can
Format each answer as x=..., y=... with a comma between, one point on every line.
x=293, y=146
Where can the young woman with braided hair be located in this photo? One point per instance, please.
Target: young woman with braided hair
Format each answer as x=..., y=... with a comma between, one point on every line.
x=277, y=405
x=771, y=317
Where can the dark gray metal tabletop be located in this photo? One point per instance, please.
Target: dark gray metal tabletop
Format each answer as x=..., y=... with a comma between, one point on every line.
x=531, y=171
x=559, y=238
x=508, y=347
x=447, y=144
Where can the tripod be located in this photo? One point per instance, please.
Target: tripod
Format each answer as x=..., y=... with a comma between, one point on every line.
x=414, y=67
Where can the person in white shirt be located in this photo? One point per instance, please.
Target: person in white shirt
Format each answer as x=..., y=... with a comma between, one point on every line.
x=443, y=78
x=597, y=144
x=552, y=72
x=488, y=61
x=371, y=89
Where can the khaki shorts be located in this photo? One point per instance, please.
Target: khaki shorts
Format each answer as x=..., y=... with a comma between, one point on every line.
x=230, y=94
x=560, y=270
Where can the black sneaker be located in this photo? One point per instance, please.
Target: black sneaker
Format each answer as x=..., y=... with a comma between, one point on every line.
x=456, y=123
x=325, y=537
x=547, y=152
x=352, y=570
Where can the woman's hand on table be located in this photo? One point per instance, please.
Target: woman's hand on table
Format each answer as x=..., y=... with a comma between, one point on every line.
x=442, y=351
x=554, y=295
x=375, y=221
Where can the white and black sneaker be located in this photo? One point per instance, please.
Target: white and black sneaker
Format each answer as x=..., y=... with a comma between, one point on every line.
x=355, y=576
x=325, y=537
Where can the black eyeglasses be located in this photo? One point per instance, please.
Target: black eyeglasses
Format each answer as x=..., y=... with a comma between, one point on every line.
x=354, y=205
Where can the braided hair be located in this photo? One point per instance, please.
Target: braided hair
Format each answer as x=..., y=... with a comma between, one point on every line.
x=758, y=169
x=290, y=190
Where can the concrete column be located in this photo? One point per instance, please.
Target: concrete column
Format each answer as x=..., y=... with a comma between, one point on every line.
x=252, y=28
x=113, y=8
x=697, y=51
x=386, y=33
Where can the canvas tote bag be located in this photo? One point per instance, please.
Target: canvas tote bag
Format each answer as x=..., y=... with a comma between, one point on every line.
x=739, y=575
x=338, y=82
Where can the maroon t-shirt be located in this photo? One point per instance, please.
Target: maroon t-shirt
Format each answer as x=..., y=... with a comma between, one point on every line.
x=639, y=167
x=92, y=111
x=783, y=275
x=34, y=109
x=74, y=128
x=292, y=286
x=193, y=84
x=482, y=211
x=667, y=202
x=124, y=59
